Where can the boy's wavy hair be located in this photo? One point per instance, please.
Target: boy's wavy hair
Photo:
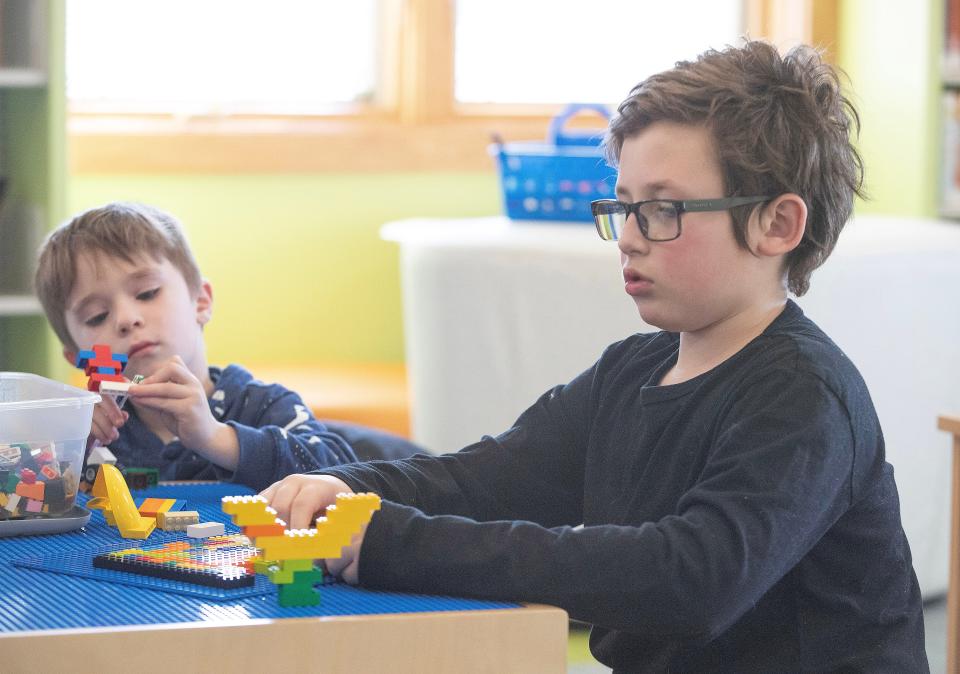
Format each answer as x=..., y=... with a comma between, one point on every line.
x=119, y=230
x=779, y=123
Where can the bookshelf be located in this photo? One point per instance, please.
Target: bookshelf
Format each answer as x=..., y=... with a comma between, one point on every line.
x=32, y=166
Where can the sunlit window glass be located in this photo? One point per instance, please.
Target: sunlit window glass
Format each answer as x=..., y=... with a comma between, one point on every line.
x=220, y=56
x=532, y=51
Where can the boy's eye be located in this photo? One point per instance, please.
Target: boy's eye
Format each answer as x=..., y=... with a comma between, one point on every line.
x=148, y=294
x=667, y=211
x=94, y=321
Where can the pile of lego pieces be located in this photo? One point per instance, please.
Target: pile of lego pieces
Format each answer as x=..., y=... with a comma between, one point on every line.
x=32, y=482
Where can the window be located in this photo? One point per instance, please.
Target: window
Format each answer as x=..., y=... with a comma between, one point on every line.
x=218, y=57
x=509, y=51
x=370, y=85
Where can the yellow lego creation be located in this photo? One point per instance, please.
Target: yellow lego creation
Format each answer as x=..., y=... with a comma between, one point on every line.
x=344, y=520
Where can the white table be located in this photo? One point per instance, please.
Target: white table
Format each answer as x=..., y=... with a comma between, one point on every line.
x=496, y=313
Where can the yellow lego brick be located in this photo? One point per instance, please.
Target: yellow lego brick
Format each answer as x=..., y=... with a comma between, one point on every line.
x=112, y=495
x=248, y=510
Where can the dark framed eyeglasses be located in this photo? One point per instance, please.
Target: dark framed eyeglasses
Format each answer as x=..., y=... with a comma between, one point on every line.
x=659, y=219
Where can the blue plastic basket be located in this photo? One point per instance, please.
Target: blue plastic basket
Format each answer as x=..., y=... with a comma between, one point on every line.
x=556, y=179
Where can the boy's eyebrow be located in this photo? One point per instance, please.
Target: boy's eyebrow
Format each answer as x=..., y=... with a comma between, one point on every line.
x=651, y=189
x=82, y=304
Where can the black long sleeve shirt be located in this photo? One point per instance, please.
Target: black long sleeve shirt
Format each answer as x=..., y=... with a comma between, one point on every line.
x=742, y=521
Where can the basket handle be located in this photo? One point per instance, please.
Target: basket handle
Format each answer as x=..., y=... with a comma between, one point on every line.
x=556, y=135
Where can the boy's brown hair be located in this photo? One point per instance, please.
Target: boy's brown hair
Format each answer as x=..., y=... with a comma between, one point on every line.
x=779, y=124
x=120, y=230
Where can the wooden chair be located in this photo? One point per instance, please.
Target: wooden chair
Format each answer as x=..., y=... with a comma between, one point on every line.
x=951, y=424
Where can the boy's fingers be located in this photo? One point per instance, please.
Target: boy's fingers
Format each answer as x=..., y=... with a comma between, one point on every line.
x=109, y=404
x=101, y=428
x=281, y=498
x=159, y=390
x=174, y=370
x=269, y=491
x=302, y=511
x=108, y=411
x=310, y=502
x=335, y=566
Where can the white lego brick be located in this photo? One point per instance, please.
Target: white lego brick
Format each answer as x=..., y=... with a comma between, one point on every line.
x=205, y=530
x=101, y=454
x=111, y=387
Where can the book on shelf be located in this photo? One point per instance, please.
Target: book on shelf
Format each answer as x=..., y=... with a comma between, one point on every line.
x=950, y=174
x=951, y=42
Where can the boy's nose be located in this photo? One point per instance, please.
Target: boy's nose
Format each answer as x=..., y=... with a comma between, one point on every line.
x=631, y=238
x=127, y=319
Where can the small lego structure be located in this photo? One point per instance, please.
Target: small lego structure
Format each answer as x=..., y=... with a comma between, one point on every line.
x=100, y=364
x=292, y=551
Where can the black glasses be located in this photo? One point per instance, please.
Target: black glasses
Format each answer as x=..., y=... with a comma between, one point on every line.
x=659, y=219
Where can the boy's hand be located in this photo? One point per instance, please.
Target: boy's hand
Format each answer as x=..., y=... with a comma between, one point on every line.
x=347, y=566
x=107, y=418
x=300, y=499
x=178, y=396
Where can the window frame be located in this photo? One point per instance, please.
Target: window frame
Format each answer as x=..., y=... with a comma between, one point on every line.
x=418, y=125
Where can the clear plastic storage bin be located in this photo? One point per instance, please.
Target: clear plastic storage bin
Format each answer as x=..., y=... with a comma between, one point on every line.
x=44, y=426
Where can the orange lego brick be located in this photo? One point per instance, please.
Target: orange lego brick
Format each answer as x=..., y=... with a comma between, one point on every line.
x=252, y=532
x=151, y=507
x=32, y=491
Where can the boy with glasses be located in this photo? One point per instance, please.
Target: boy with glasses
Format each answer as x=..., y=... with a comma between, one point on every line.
x=124, y=275
x=729, y=471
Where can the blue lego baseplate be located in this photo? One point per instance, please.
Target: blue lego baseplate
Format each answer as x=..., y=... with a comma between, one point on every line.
x=35, y=599
x=81, y=564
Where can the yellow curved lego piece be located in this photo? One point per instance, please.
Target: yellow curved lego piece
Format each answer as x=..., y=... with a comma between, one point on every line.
x=112, y=496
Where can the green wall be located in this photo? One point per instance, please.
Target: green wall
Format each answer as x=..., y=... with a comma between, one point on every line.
x=299, y=272
x=891, y=52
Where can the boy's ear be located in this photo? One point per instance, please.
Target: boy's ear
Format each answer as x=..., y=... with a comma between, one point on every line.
x=781, y=224
x=205, y=303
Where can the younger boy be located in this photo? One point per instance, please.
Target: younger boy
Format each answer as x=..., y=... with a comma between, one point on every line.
x=124, y=275
x=729, y=471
